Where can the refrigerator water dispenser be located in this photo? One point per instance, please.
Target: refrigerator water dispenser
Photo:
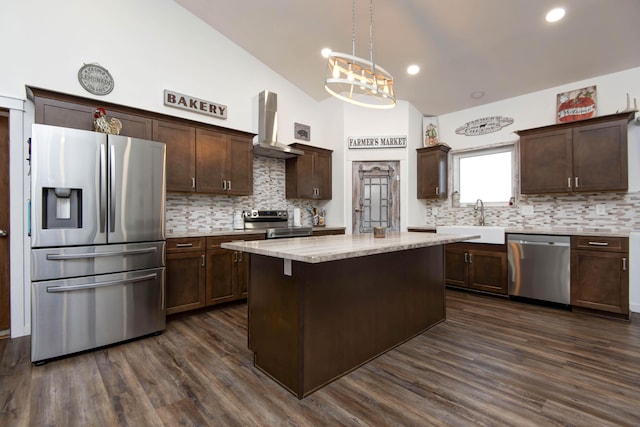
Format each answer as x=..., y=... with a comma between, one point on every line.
x=62, y=207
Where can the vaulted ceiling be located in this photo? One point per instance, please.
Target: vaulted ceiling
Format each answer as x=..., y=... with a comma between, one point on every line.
x=501, y=48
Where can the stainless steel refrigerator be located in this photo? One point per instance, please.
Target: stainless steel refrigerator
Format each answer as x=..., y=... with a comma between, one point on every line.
x=97, y=240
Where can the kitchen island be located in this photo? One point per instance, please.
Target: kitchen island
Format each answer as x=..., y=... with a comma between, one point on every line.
x=319, y=307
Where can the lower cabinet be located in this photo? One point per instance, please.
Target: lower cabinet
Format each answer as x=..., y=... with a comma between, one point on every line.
x=600, y=274
x=185, y=274
x=477, y=266
x=201, y=273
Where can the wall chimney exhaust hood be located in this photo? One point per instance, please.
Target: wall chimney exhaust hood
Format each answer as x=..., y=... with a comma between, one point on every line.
x=265, y=143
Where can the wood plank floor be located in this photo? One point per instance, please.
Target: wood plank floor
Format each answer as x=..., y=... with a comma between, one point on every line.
x=493, y=362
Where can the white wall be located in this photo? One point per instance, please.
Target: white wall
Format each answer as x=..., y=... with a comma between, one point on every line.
x=147, y=46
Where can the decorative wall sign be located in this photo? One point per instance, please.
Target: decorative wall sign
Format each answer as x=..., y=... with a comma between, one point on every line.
x=196, y=105
x=302, y=132
x=484, y=126
x=95, y=79
x=430, y=131
x=577, y=104
x=377, y=141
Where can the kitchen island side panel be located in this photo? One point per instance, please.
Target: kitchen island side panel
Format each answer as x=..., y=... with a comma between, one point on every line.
x=348, y=312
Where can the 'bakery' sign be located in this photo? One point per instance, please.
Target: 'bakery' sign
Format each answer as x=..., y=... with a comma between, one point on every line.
x=196, y=105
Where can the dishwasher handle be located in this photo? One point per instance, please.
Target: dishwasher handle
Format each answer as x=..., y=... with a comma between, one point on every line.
x=530, y=243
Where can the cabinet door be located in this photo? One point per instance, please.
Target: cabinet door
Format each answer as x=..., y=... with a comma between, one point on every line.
x=240, y=166
x=219, y=281
x=181, y=154
x=241, y=275
x=432, y=173
x=211, y=161
x=322, y=175
x=488, y=271
x=304, y=177
x=546, y=162
x=455, y=260
x=600, y=156
x=185, y=281
x=600, y=281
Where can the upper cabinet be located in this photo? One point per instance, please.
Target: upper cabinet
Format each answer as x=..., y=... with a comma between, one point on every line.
x=432, y=172
x=589, y=155
x=224, y=163
x=309, y=176
x=200, y=158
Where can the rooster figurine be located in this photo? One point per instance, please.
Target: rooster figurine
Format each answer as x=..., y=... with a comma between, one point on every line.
x=102, y=124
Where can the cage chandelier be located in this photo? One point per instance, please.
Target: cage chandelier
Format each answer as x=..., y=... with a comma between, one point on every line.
x=357, y=80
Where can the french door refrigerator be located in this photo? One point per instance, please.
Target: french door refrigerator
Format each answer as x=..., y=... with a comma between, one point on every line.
x=97, y=240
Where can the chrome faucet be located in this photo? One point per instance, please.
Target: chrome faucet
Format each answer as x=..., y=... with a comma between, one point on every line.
x=475, y=208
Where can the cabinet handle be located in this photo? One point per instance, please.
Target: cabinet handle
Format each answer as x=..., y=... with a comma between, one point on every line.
x=184, y=245
x=235, y=257
x=577, y=182
x=624, y=264
x=240, y=257
x=228, y=185
x=471, y=258
x=466, y=257
x=598, y=243
x=193, y=182
x=569, y=182
x=203, y=259
x=224, y=184
x=437, y=191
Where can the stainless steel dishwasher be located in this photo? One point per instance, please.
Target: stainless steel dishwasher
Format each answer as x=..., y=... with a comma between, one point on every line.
x=539, y=267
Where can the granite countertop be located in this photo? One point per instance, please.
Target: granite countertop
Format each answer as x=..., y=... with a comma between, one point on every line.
x=229, y=231
x=331, y=248
x=556, y=231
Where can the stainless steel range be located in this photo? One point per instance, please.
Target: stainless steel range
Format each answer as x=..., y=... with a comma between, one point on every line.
x=275, y=223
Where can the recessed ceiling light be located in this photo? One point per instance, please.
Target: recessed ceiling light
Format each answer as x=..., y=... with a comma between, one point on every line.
x=413, y=69
x=326, y=52
x=477, y=94
x=555, y=14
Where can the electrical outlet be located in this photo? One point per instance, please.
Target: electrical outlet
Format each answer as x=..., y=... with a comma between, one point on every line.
x=526, y=210
x=601, y=209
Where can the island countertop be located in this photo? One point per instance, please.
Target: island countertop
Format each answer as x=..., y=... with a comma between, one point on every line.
x=331, y=248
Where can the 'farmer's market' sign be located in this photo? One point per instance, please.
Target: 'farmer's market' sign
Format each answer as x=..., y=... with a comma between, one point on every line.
x=377, y=141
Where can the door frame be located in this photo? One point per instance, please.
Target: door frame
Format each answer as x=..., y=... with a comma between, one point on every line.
x=5, y=264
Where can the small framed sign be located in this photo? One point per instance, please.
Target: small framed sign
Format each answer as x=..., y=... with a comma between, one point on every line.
x=577, y=104
x=95, y=79
x=302, y=132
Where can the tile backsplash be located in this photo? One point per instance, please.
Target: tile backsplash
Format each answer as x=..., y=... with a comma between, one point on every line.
x=615, y=212
x=202, y=213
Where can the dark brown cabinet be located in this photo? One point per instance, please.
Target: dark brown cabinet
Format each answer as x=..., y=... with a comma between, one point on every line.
x=477, y=266
x=331, y=232
x=432, y=172
x=600, y=274
x=224, y=163
x=309, y=176
x=590, y=155
x=227, y=271
x=200, y=158
x=185, y=274
x=180, y=141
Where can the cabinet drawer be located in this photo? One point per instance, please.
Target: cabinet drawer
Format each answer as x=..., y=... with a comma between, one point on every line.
x=185, y=244
x=609, y=244
x=214, y=242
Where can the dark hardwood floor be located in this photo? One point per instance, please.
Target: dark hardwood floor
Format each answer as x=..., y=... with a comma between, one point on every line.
x=493, y=362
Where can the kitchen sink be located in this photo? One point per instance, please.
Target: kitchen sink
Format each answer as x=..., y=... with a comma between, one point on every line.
x=488, y=233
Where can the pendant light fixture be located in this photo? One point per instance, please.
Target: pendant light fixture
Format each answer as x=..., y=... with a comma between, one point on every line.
x=358, y=80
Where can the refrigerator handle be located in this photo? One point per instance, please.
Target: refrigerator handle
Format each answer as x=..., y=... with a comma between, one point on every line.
x=103, y=187
x=57, y=257
x=101, y=284
x=112, y=190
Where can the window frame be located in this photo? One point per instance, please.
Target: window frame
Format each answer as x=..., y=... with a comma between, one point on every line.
x=509, y=146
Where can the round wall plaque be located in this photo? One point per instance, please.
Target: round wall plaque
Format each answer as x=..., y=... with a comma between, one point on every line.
x=95, y=79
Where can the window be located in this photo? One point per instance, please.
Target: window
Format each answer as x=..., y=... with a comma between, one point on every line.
x=486, y=174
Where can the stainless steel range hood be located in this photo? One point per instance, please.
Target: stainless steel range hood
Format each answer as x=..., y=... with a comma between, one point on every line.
x=266, y=142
